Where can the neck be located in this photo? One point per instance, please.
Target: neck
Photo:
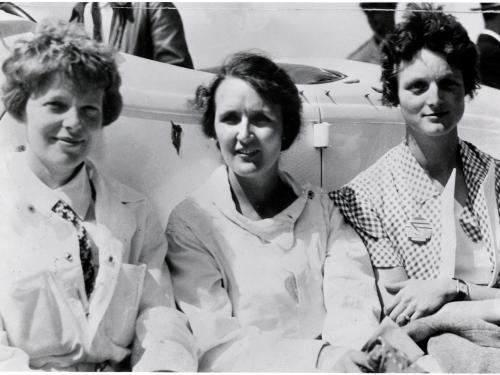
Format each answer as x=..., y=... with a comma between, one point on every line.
x=256, y=196
x=53, y=178
x=436, y=155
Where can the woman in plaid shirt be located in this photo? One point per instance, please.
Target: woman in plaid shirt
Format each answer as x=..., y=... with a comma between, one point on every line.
x=428, y=209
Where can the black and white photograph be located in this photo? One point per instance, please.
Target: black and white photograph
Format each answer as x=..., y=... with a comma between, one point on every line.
x=250, y=187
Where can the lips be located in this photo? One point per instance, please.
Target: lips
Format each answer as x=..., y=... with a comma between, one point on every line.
x=436, y=114
x=247, y=152
x=70, y=141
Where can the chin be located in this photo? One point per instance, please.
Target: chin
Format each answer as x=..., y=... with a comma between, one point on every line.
x=246, y=171
x=439, y=131
x=68, y=161
x=435, y=129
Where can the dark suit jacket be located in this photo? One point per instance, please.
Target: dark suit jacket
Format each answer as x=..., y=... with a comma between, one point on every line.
x=489, y=60
x=150, y=30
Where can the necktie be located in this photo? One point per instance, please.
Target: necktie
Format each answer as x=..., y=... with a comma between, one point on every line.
x=97, y=21
x=66, y=212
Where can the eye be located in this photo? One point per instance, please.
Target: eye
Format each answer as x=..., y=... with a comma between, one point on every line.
x=260, y=118
x=418, y=87
x=91, y=112
x=448, y=83
x=230, y=118
x=57, y=106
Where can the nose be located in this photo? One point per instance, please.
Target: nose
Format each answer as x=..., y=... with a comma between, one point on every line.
x=72, y=119
x=433, y=95
x=244, y=130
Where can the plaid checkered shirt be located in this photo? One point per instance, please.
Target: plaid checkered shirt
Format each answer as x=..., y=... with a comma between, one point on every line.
x=395, y=193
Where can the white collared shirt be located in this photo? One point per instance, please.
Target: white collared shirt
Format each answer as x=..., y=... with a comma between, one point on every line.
x=460, y=256
x=260, y=293
x=77, y=193
x=106, y=15
x=46, y=320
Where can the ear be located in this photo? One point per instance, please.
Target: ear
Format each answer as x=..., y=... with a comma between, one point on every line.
x=217, y=144
x=21, y=117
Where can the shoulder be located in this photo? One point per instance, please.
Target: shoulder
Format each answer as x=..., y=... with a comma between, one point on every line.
x=196, y=207
x=487, y=40
x=361, y=200
x=167, y=10
x=124, y=193
x=184, y=212
x=477, y=155
x=161, y=5
x=373, y=180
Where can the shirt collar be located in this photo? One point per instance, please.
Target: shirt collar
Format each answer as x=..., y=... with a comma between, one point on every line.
x=406, y=168
x=77, y=193
x=491, y=33
x=42, y=197
x=278, y=229
x=412, y=180
x=410, y=176
x=476, y=164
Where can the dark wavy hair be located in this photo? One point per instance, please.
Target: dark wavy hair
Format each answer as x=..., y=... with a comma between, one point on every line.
x=270, y=81
x=426, y=26
x=60, y=48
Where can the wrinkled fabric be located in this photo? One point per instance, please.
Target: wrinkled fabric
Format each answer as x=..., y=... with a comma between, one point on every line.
x=149, y=30
x=46, y=321
x=152, y=31
x=460, y=343
x=253, y=290
x=469, y=327
x=395, y=195
x=456, y=354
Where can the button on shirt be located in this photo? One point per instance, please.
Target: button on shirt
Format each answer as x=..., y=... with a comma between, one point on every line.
x=253, y=290
x=78, y=194
x=46, y=321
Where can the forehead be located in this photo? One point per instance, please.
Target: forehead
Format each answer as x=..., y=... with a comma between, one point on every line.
x=235, y=92
x=62, y=84
x=427, y=64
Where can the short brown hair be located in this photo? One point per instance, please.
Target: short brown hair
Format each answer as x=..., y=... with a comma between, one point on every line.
x=60, y=48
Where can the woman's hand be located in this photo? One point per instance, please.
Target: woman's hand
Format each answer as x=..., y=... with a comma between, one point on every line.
x=351, y=361
x=418, y=298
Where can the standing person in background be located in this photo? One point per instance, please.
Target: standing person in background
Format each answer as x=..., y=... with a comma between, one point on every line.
x=150, y=30
x=488, y=44
x=381, y=20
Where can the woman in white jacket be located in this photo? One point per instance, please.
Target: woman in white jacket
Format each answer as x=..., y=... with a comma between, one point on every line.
x=83, y=282
x=265, y=268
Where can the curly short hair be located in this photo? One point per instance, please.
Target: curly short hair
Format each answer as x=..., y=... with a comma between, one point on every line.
x=60, y=48
x=270, y=81
x=425, y=26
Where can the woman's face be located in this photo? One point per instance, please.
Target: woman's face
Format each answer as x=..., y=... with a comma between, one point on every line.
x=431, y=94
x=62, y=125
x=248, y=128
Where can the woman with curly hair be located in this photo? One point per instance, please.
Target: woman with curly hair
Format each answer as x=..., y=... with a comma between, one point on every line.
x=428, y=210
x=84, y=284
x=249, y=250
